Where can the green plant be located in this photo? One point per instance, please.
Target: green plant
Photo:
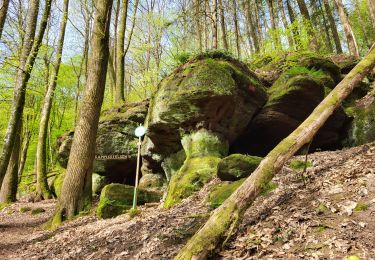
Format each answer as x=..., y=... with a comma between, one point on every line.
x=25, y=209
x=37, y=211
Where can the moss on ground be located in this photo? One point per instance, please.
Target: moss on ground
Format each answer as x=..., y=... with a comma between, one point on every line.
x=37, y=211
x=299, y=165
x=222, y=191
x=25, y=209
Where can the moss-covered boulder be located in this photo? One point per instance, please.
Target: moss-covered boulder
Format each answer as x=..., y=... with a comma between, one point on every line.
x=362, y=128
x=222, y=191
x=152, y=182
x=292, y=98
x=116, y=198
x=270, y=68
x=211, y=91
x=116, y=145
x=237, y=166
x=204, y=150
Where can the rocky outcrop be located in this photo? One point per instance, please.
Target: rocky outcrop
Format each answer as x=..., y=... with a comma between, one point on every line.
x=237, y=166
x=213, y=92
x=116, y=198
x=292, y=97
x=116, y=145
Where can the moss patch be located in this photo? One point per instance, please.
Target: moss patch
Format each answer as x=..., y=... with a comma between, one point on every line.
x=116, y=198
x=237, y=166
x=299, y=165
x=37, y=211
x=361, y=206
x=222, y=191
x=25, y=209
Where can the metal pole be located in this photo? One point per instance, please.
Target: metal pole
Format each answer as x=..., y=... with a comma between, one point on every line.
x=137, y=174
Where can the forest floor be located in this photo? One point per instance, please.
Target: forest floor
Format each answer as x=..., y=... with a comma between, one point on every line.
x=326, y=213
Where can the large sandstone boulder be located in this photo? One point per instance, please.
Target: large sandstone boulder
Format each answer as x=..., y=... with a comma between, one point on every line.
x=292, y=98
x=213, y=92
x=116, y=145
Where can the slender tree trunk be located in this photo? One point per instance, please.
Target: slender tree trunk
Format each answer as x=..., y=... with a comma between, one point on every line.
x=198, y=15
x=9, y=186
x=313, y=43
x=23, y=75
x=326, y=28
x=371, y=6
x=23, y=155
x=76, y=190
x=120, y=69
x=206, y=29
x=222, y=25
x=236, y=28
x=225, y=218
x=292, y=17
x=3, y=14
x=43, y=190
x=276, y=37
x=253, y=30
x=214, y=25
x=285, y=22
x=362, y=24
x=332, y=25
x=352, y=42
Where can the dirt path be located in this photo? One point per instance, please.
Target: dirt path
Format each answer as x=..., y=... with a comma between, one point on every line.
x=16, y=227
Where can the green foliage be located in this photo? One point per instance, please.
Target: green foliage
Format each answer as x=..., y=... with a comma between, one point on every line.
x=237, y=166
x=299, y=165
x=133, y=212
x=361, y=206
x=268, y=188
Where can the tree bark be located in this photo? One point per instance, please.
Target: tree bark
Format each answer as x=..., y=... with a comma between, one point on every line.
x=225, y=218
x=222, y=25
x=292, y=17
x=313, y=43
x=350, y=37
x=214, y=25
x=9, y=186
x=27, y=60
x=120, y=56
x=43, y=190
x=276, y=37
x=236, y=28
x=197, y=5
x=285, y=22
x=371, y=6
x=3, y=15
x=332, y=25
x=76, y=190
x=253, y=30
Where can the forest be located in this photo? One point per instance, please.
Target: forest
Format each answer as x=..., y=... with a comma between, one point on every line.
x=259, y=119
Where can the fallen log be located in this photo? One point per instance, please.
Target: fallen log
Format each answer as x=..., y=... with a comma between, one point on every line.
x=224, y=219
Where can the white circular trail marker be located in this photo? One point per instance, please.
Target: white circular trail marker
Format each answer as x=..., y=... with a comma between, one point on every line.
x=139, y=132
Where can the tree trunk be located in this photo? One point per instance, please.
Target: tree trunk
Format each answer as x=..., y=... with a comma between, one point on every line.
x=352, y=42
x=292, y=17
x=371, y=6
x=3, y=15
x=120, y=56
x=319, y=9
x=313, y=43
x=198, y=25
x=76, y=190
x=9, y=186
x=285, y=22
x=333, y=27
x=222, y=25
x=43, y=190
x=225, y=218
x=214, y=25
x=23, y=75
x=236, y=28
x=253, y=30
x=276, y=37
